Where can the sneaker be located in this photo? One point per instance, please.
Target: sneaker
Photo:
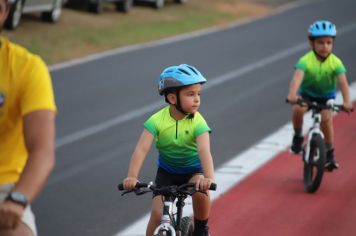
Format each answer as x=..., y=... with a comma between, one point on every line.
x=204, y=232
x=330, y=163
x=297, y=144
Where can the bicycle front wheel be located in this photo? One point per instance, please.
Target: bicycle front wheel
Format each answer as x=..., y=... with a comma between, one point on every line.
x=164, y=233
x=314, y=166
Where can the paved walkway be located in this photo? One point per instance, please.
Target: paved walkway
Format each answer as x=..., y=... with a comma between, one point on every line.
x=272, y=200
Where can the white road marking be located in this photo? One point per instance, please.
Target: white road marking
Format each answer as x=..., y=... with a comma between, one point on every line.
x=170, y=40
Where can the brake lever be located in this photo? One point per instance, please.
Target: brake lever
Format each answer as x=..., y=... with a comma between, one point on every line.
x=141, y=192
x=126, y=192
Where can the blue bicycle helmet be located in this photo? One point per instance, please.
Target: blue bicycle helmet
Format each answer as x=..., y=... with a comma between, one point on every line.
x=322, y=28
x=179, y=76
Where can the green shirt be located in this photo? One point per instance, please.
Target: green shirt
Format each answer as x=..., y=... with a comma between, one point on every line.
x=320, y=78
x=176, y=140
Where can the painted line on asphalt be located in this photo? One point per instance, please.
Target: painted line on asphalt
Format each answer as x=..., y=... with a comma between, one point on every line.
x=241, y=166
x=81, y=134
x=173, y=39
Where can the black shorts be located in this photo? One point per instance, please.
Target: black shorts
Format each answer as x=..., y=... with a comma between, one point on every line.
x=164, y=178
x=314, y=99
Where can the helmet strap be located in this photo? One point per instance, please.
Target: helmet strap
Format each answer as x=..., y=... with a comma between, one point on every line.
x=179, y=107
x=178, y=103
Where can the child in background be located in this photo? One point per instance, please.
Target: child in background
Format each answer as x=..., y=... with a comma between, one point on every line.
x=315, y=78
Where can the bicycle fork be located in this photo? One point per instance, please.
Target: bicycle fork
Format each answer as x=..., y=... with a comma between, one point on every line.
x=315, y=129
x=166, y=224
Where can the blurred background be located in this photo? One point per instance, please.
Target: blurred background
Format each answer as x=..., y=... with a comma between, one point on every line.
x=81, y=27
x=105, y=61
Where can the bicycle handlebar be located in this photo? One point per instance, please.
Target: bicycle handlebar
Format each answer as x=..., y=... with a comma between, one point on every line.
x=138, y=185
x=141, y=188
x=317, y=106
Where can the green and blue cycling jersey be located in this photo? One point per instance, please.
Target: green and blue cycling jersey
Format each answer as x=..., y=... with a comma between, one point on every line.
x=176, y=140
x=320, y=78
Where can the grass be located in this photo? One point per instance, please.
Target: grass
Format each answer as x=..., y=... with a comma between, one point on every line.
x=79, y=33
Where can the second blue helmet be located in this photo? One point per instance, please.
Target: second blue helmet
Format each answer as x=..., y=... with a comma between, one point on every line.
x=179, y=76
x=322, y=28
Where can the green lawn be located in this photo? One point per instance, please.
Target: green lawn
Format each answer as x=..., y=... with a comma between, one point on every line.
x=79, y=33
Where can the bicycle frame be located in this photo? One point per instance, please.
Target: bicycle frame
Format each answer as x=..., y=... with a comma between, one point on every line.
x=315, y=129
x=168, y=216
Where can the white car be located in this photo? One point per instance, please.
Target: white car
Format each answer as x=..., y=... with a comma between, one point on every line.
x=50, y=10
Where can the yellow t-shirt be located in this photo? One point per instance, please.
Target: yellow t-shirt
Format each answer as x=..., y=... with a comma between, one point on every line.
x=25, y=86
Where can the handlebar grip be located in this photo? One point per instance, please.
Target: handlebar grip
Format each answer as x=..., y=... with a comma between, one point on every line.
x=120, y=187
x=141, y=185
x=213, y=186
x=138, y=185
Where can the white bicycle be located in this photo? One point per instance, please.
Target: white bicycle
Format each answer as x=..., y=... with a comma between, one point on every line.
x=314, y=151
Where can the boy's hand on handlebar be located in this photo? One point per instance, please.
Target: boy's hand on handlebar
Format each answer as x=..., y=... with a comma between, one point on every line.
x=348, y=107
x=203, y=183
x=293, y=98
x=129, y=183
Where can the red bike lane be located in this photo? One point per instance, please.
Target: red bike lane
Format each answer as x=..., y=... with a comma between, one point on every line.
x=272, y=200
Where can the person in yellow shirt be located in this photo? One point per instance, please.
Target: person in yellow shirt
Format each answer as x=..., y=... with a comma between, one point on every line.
x=27, y=133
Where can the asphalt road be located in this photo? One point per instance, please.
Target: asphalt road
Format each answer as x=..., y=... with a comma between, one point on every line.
x=102, y=104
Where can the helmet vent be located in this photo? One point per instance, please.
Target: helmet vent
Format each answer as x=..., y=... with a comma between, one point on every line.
x=183, y=71
x=193, y=70
x=169, y=71
x=324, y=26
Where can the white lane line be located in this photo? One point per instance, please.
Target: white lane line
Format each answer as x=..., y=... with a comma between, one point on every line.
x=173, y=39
x=238, y=168
x=143, y=110
x=212, y=83
x=107, y=124
x=71, y=138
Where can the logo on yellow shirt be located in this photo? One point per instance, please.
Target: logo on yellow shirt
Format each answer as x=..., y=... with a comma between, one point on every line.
x=2, y=102
x=2, y=99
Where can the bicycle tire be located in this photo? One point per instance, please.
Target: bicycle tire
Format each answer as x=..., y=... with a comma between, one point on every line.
x=314, y=168
x=187, y=226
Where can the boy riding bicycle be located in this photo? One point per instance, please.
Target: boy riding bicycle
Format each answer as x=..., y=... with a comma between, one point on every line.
x=182, y=139
x=315, y=78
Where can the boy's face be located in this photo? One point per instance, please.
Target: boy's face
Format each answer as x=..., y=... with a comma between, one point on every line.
x=4, y=10
x=322, y=45
x=190, y=98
